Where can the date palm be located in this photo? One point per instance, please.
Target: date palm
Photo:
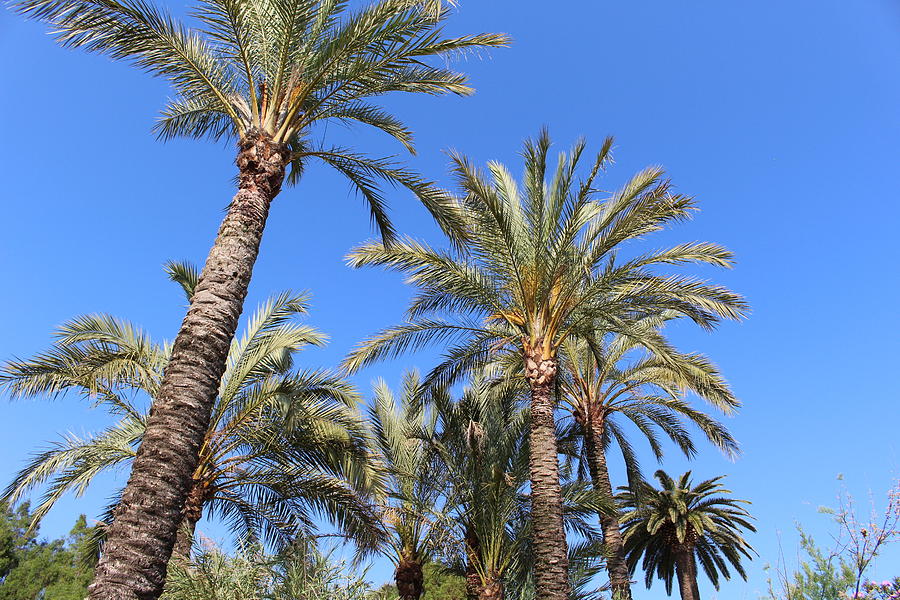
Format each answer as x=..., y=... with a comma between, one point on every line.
x=401, y=428
x=533, y=266
x=482, y=445
x=266, y=73
x=613, y=381
x=283, y=445
x=669, y=530
x=481, y=439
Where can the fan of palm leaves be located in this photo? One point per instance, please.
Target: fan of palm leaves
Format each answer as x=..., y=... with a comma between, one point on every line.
x=669, y=530
x=284, y=445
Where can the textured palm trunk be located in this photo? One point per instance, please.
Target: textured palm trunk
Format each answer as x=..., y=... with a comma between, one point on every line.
x=551, y=562
x=473, y=579
x=616, y=566
x=408, y=578
x=146, y=521
x=686, y=570
x=192, y=513
x=492, y=589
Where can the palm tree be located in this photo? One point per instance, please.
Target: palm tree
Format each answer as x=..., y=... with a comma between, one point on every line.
x=481, y=440
x=401, y=429
x=646, y=390
x=532, y=267
x=482, y=445
x=676, y=526
x=283, y=445
x=266, y=73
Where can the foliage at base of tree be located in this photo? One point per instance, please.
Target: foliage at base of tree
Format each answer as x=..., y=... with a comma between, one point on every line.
x=50, y=570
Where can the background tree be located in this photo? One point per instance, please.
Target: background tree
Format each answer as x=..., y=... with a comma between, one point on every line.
x=613, y=380
x=533, y=266
x=482, y=444
x=401, y=428
x=840, y=570
x=48, y=569
x=284, y=444
x=669, y=530
x=264, y=73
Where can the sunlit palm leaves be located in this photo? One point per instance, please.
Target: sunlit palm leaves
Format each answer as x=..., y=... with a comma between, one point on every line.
x=538, y=264
x=401, y=428
x=613, y=380
x=285, y=444
x=278, y=68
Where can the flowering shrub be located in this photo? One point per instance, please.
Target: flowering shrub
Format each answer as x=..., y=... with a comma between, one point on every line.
x=885, y=590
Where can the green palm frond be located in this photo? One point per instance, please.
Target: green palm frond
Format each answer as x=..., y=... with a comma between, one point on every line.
x=534, y=263
x=284, y=69
x=285, y=447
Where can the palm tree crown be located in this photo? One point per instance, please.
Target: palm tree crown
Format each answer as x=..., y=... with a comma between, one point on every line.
x=674, y=527
x=401, y=428
x=284, y=444
x=534, y=265
x=275, y=68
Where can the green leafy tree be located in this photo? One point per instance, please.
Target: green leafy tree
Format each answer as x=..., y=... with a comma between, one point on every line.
x=442, y=584
x=613, y=381
x=534, y=264
x=266, y=73
x=840, y=574
x=283, y=446
x=15, y=534
x=671, y=529
x=51, y=570
x=822, y=576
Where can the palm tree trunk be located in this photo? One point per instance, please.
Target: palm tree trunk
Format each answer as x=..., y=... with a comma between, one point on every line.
x=408, y=578
x=551, y=562
x=193, y=511
x=146, y=521
x=686, y=569
x=616, y=566
x=473, y=579
x=492, y=589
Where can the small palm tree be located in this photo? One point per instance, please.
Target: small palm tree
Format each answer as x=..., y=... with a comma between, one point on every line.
x=628, y=384
x=680, y=524
x=265, y=73
x=401, y=429
x=482, y=442
x=283, y=445
x=533, y=266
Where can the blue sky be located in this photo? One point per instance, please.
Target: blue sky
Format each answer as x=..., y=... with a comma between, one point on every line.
x=783, y=120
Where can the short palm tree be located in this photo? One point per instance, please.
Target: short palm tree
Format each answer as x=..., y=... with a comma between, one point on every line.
x=266, y=73
x=283, y=446
x=401, y=428
x=533, y=266
x=669, y=530
x=613, y=381
x=482, y=443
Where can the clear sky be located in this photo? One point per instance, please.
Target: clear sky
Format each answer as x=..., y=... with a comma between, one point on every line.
x=782, y=117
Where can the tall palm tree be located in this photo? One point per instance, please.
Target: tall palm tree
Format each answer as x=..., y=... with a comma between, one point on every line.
x=614, y=378
x=266, y=73
x=283, y=445
x=401, y=428
x=533, y=266
x=674, y=527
